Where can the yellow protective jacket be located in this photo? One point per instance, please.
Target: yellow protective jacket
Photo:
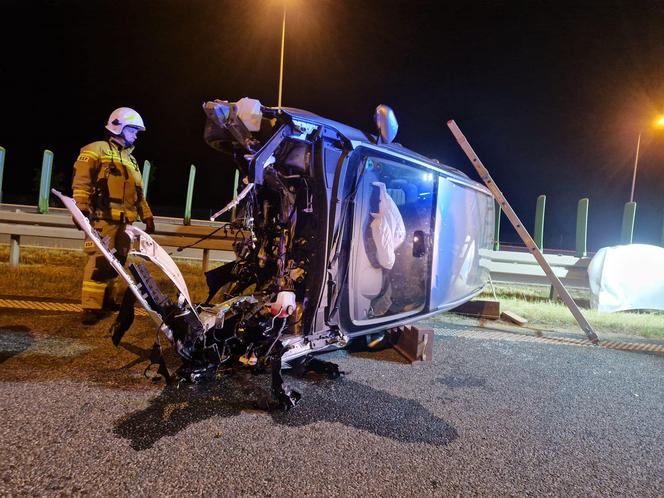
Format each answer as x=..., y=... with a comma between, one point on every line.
x=108, y=183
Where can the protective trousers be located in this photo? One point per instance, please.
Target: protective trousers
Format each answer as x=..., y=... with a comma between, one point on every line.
x=98, y=275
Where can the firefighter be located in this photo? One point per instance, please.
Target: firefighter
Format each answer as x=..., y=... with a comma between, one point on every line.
x=108, y=189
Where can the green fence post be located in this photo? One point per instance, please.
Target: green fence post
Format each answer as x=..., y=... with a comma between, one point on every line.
x=146, y=178
x=629, y=214
x=582, y=228
x=496, y=226
x=2, y=168
x=539, y=221
x=190, y=195
x=236, y=181
x=45, y=182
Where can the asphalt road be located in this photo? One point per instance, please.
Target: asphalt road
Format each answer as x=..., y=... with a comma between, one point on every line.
x=490, y=415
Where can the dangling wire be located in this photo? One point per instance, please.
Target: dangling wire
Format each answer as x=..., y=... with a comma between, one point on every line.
x=182, y=248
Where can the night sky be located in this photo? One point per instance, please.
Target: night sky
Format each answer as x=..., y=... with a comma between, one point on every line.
x=551, y=95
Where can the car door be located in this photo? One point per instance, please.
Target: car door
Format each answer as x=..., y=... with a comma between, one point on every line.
x=394, y=208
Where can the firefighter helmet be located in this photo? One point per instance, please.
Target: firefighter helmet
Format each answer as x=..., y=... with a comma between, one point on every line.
x=124, y=116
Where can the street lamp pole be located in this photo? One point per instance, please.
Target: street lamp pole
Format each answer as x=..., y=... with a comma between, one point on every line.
x=636, y=162
x=281, y=65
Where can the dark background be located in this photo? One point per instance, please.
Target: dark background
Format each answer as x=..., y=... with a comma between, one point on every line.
x=551, y=95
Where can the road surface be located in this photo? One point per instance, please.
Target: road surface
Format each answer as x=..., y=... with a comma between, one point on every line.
x=494, y=413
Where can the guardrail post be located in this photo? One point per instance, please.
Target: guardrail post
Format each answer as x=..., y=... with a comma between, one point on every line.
x=629, y=214
x=190, y=195
x=2, y=168
x=14, y=250
x=45, y=182
x=496, y=226
x=582, y=228
x=146, y=178
x=662, y=241
x=206, y=260
x=539, y=221
x=236, y=181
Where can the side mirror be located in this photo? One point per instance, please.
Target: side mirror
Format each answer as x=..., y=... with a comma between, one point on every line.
x=419, y=244
x=386, y=123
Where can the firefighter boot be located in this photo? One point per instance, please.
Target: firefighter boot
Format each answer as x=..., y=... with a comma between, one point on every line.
x=92, y=317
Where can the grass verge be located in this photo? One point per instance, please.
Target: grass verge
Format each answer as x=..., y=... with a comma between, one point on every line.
x=57, y=273
x=534, y=304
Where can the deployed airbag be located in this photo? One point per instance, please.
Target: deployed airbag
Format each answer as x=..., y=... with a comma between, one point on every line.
x=387, y=228
x=627, y=277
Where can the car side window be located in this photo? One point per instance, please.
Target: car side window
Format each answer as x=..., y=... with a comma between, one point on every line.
x=393, y=205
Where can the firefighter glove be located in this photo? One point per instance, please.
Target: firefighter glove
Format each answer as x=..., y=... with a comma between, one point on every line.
x=149, y=224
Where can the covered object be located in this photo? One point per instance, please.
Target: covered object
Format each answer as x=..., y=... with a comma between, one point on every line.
x=627, y=277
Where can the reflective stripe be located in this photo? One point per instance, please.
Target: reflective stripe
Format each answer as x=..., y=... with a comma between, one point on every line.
x=92, y=287
x=92, y=295
x=106, y=159
x=81, y=195
x=89, y=153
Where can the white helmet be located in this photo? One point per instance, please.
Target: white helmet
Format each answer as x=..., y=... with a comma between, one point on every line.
x=124, y=116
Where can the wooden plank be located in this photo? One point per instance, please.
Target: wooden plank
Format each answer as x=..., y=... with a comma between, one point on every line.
x=480, y=308
x=415, y=344
x=510, y=316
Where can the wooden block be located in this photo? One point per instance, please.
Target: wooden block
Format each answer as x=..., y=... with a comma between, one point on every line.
x=415, y=344
x=481, y=308
x=510, y=316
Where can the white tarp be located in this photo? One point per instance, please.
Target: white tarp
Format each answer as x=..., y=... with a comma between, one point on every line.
x=627, y=277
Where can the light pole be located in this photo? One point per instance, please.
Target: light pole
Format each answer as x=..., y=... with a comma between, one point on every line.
x=281, y=65
x=636, y=162
x=658, y=123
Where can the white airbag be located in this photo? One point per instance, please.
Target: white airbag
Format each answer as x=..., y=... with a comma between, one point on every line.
x=249, y=112
x=387, y=228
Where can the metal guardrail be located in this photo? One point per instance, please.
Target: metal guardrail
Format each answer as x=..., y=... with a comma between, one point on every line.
x=22, y=224
x=522, y=268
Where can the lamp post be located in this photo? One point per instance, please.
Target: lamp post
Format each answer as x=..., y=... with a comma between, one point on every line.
x=636, y=163
x=281, y=64
x=658, y=123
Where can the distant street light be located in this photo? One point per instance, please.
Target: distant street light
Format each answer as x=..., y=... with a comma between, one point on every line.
x=658, y=123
